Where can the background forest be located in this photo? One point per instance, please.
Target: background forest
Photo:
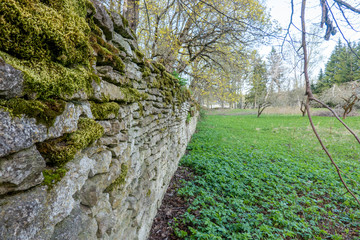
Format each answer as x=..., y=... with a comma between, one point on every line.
x=215, y=49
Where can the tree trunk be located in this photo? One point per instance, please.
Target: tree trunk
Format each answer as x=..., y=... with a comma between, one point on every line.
x=131, y=13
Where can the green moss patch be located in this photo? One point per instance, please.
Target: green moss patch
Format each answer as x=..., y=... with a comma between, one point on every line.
x=51, y=30
x=45, y=112
x=145, y=72
x=50, y=79
x=102, y=111
x=133, y=95
x=52, y=43
x=53, y=176
x=106, y=53
x=119, y=181
x=59, y=151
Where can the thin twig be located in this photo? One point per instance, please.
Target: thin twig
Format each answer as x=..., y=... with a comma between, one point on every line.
x=337, y=117
x=310, y=97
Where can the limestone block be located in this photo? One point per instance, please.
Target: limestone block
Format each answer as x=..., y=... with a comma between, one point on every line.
x=122, y=44
x=107, y=73
x=89, y=228
x=107, y=90
x=61, y=200
x=102, y=162
x=90, y=193
x=21, y=215
x=132, y=71
x=104, y=216
x=118, y=150
x=22, y=170
x=112, y=127
x=70, y=227
x=103, y=19
x=17, y=133
x=119, y=26
x=11, y=81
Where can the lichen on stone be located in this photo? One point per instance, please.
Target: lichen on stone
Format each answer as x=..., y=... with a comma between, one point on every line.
x=103, y=111
x=59, y=151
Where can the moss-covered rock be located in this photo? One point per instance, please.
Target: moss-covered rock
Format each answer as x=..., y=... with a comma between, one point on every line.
x=59, y=151
x=52, y=42
x=102, y=111
x=53, y=30
x=45, y=112
x=53, y=176
x=133, y=95
x=120, y=180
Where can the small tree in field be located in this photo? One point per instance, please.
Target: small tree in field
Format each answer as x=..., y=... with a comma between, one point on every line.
x=348, y=106
x=303, y=108
x=262, y=107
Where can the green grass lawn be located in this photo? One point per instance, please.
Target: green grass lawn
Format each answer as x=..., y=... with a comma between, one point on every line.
x=267, y=178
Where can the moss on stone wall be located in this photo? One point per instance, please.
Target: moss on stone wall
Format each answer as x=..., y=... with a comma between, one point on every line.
x=53, y=176
x=52, y=42
x=120, y=180
x=102, y=111
x=59, y=151
x=48, y=41
x=45, y=112
x=133, y=95
x=52, y=30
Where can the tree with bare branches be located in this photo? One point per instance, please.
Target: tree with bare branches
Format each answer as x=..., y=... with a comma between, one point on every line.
x=328, y=20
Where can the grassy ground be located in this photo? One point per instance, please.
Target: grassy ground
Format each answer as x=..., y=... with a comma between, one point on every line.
x=267, y=178
x=271, y=111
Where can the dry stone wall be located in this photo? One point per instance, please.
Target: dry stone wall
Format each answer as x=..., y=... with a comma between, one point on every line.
x=94, y=163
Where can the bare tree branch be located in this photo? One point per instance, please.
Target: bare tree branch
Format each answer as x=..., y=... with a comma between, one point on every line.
x=348, y=6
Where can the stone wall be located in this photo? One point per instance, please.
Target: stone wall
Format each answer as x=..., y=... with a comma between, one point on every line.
x=95, y=163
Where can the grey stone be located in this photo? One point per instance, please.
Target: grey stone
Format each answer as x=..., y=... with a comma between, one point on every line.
x=11, y=81
x=112, y=127
x=70, y=227
x=89, y=228
x=90, y=193
x=118, y=150
x=102, y=162
x=108, y=74
x=104, y=216
x=17, y=133
x=21, y=170
x=119, y=26
x=122, y=44
x=107, y=90
x=103, y=20
x=132, y=71
x=61, y=201
x=22, y=215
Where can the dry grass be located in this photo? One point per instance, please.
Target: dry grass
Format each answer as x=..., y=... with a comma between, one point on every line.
x=276, y=111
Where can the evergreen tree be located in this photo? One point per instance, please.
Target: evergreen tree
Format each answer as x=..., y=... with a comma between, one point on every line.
x=257, y=81
x=343, y=66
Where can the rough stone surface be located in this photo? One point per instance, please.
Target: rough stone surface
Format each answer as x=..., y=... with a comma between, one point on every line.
x=11, y=81
x=122, y=44
x=21, y=170
x=17, y=133
x=109, y=91
x=103, y=20
x=108, y=74
x=113, y=186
